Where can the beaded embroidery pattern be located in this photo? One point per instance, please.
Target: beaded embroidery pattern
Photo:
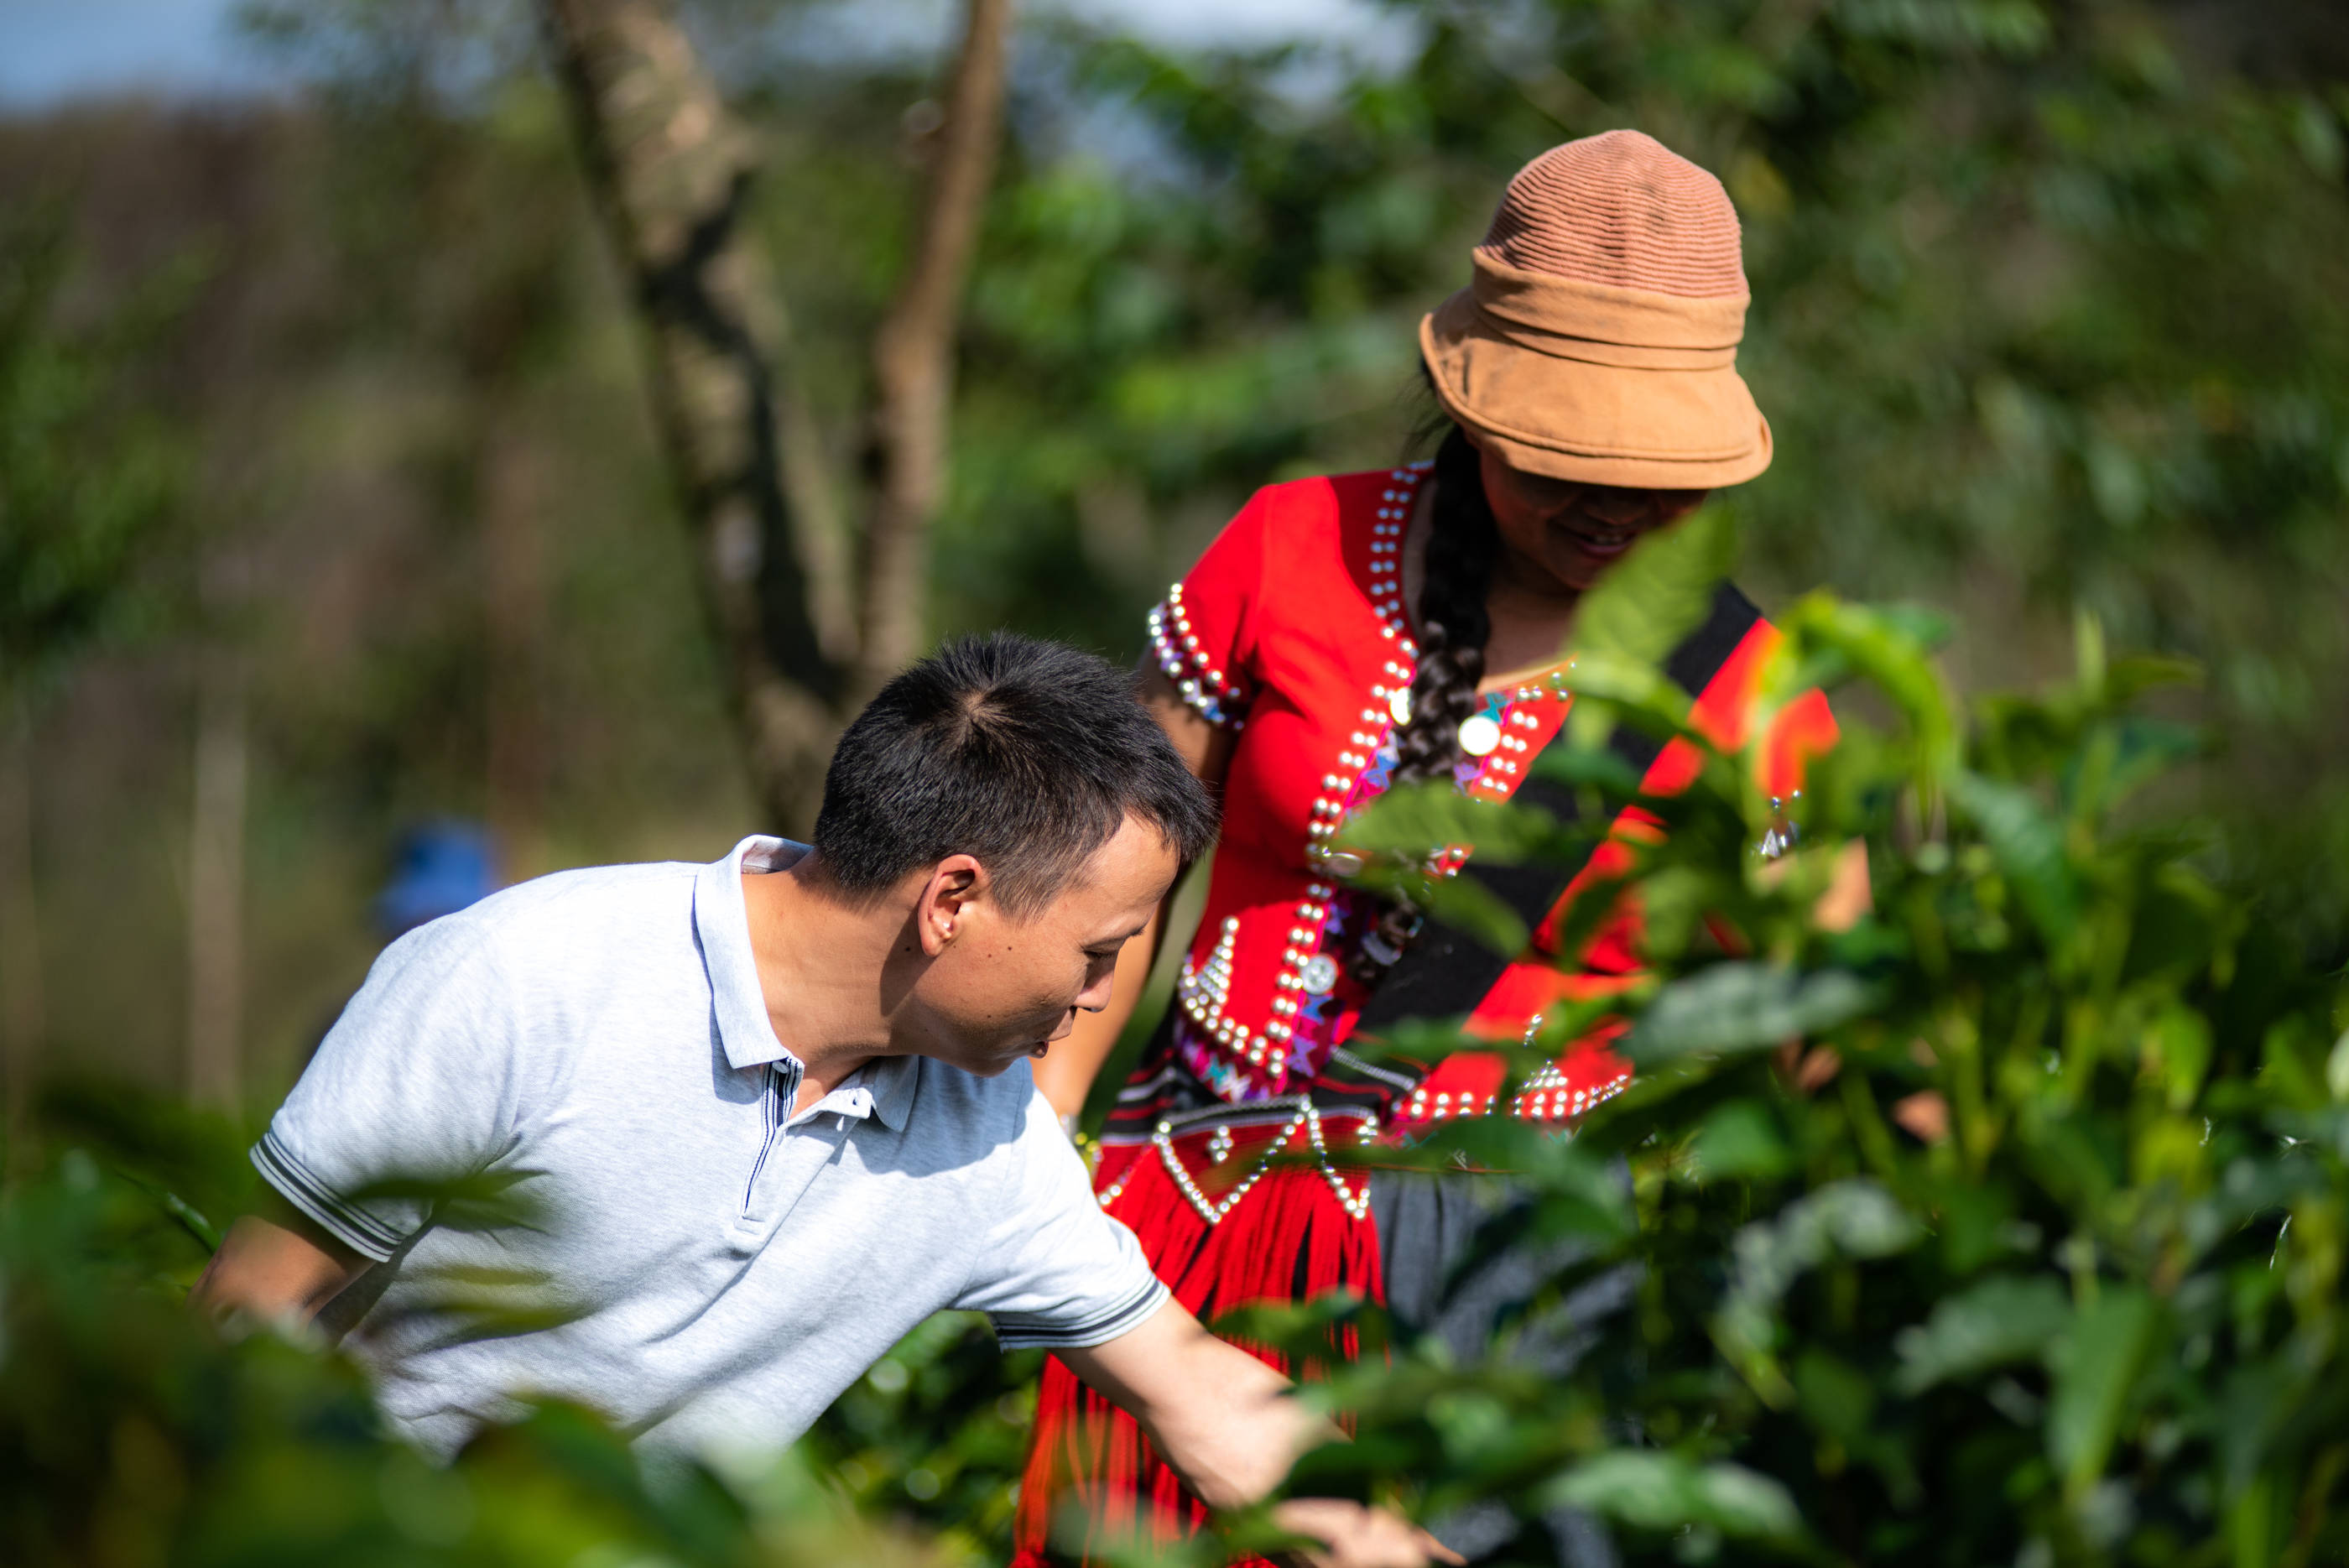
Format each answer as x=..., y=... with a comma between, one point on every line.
x=1232, y=1055
x=1355, y=1201
x=1240, y=1058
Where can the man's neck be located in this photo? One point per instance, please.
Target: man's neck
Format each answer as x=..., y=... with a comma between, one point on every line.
x=820, y=965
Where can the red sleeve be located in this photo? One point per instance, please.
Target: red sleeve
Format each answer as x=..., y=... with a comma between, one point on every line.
x=1204, y=633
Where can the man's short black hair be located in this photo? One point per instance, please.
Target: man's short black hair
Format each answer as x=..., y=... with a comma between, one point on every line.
x=1026, y=755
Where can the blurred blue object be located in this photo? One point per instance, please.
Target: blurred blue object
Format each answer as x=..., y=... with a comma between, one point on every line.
x=440, y=868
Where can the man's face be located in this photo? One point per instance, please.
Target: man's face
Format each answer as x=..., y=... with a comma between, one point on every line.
x=998, y=987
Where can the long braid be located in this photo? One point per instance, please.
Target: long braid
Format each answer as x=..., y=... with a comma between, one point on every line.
x=1462, y=548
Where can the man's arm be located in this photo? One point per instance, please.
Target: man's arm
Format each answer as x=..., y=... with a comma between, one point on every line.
x=282, y=1268
x=1225, y=1422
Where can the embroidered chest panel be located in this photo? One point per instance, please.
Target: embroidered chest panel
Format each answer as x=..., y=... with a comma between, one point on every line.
x=1265, y=995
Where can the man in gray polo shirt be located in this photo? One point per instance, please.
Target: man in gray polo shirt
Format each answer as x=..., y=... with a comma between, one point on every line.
x=767, y=1115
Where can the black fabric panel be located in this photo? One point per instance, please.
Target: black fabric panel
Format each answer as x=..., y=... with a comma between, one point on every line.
x=1446, y=973
x=1431, y=1225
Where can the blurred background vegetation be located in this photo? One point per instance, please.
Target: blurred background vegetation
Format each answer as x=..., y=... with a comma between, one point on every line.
x=331, y=501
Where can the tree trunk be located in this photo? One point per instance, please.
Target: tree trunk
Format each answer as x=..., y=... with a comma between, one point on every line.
x=670, y=174
x=216, y=882
x=22, y=1014
x=912, y=353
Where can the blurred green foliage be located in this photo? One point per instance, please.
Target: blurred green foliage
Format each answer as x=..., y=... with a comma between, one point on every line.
x=2034, y=1253
x=2086, y=1309
x=132, y=1434
x=88, y=475
x=2048, y=313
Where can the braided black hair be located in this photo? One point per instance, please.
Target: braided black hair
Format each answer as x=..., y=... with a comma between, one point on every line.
x=1462, y=546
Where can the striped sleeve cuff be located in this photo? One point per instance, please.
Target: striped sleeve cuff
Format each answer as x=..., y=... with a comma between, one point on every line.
x=351, y=1225
x=1027, y=1331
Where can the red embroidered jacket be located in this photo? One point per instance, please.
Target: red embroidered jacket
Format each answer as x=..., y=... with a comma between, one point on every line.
x=1291, y=631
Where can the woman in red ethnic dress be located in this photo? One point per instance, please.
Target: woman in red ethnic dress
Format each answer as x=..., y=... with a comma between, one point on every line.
x=1346, y=633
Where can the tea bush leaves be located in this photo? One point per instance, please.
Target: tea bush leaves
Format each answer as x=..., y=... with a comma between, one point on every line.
x=2038, y=1257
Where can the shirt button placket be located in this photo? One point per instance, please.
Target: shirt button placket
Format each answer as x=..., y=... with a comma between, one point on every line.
x=758, y=1192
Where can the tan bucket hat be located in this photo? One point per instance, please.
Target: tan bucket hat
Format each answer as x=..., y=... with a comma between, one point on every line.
x=1598, y=339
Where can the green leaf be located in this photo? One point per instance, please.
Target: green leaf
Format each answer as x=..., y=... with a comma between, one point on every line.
x=1418, y=819
x=1994, y=1321
x=2178, y=1045
x=2028, y=846
x=1657, y=595
x=1827, y=641
x=2096, y=1366
x=1468, y=905
x=1588, y=767
x=1837, y=1398
x=1850, y=1219
x=1746, y=1006
x=1661, y=1491
x=1610, y=686
x=1739, y=1140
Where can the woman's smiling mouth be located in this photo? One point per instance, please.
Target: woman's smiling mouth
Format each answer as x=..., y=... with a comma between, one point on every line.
x=1601, y=542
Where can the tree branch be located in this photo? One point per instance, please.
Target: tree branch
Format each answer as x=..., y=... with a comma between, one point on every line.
x=912, y=353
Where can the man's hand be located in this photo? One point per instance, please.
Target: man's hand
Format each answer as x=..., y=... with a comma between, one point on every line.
x=280, y=1271
x=1227, y=1425
x=1353, y=1536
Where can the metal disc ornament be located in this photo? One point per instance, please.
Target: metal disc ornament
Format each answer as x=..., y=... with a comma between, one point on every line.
x=1399, y=705
x=1319, y=974
x=1479, y=734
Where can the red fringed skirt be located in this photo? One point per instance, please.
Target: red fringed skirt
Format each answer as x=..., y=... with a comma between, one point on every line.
x=1090, y=1473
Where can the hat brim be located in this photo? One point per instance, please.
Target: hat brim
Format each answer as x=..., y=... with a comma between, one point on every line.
x=1659, y=429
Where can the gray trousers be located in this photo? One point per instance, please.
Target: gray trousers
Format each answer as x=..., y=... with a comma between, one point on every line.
x=1427, y=1225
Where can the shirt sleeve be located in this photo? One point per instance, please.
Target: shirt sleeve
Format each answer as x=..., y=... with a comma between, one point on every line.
x=411, y=1090
x=1203, y=633
x=1054, y=1270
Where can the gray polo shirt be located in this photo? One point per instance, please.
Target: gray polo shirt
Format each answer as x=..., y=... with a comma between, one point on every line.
x=703, y=1266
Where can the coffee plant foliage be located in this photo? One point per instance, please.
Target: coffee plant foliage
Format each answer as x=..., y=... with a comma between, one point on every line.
x=2004, y=1226
x=132, y=1432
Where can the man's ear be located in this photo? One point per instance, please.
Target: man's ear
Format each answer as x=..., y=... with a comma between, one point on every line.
x=956, y=886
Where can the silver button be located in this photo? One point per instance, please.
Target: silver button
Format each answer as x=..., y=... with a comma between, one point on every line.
x=1399, y=705
x=1479, y=735
x=1318, y=972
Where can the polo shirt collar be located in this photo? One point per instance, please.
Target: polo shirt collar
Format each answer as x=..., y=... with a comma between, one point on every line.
x=744, y=1029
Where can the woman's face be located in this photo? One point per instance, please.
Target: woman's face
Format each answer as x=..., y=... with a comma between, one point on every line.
x=1571, y=531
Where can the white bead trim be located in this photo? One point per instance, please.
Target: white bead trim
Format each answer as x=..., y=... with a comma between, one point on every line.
x=1205, y=994
x=1356, y=1202
x=1187, y=664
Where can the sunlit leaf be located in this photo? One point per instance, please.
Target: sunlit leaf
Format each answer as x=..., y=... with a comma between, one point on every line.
x=1658, y=593
x=1418, y=819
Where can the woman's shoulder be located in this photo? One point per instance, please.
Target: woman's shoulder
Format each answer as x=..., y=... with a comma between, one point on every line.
x=1309, y=531
x=1325, y=503
x=1287, y=565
